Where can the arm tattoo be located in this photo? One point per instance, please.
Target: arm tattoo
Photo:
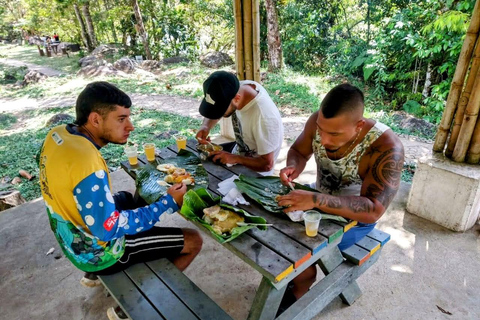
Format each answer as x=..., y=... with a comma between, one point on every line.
x=329, y=201
x=386, y=173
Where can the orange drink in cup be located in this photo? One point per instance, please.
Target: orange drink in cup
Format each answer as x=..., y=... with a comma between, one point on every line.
x=149, y=149
x=312, y=221
x=181, y=142
x=131, y=153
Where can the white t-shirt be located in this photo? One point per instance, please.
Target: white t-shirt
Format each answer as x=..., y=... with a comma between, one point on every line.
x=262, y=127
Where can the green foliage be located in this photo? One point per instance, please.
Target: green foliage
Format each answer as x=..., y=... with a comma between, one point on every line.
x=6, y=120
x=12, y=74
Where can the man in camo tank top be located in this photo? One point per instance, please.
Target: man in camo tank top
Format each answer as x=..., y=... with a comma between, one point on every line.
x=359, y=164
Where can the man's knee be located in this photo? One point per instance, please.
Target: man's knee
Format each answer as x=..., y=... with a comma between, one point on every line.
x=192, y=241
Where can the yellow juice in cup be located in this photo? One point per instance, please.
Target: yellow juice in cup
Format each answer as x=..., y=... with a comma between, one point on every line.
x=149, y=149
x=131, y=153
x=181, y=142
x=311, y=231
x=312, y=221
x=133, y=160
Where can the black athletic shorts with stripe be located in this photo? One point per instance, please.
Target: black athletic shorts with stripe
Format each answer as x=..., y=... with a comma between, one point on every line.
x=149, y=245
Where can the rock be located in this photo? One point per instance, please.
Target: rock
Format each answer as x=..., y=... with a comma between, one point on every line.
x=34, y=76
x=177, y=59
x=104, y=50
x=216, y=60
x=95, y=71
x=16, y=180
x=126, y=65
x=92, y=60
x=151, y=65
x=59, y=119
x=10, y=198
x=414, y=125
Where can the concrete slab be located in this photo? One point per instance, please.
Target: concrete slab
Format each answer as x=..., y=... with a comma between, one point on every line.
x=422, y=267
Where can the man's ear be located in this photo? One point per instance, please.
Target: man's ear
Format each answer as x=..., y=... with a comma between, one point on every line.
x=360, y=125
x=95, y=118
x=237, y=98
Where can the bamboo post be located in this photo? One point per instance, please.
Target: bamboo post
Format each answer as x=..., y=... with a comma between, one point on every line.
x=468, y=124
x=462, y=104
x=473, y=154
x=239, y=52
x=458, y=80
x=247, y=38
x=256, y=39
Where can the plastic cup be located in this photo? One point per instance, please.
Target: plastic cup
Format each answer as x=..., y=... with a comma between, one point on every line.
x=181, y=142
x=131, y=153
x=149, y=149
x=312, y=221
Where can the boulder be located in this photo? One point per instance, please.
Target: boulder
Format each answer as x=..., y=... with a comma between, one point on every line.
x=126, y=65
x=105, y=70
x=59, y=119
x=104, y=50
x=216, y=60
x=34, y=76
x=414, y=125
x=92, y=60
x=177, y=59
x=10, y=198
x=151, y=65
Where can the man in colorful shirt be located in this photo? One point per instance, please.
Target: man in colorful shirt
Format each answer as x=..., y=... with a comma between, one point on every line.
x=101, y=233
x=359, y=165
x=256, y=121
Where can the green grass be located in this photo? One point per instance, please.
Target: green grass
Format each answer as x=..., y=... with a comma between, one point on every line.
x=21, y=140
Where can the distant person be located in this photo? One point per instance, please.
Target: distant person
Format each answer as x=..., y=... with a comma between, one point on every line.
x=56, y=38
x=98, y=232
x=256, y=121
x=359, y=165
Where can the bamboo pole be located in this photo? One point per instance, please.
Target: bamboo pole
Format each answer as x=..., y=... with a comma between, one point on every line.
x=256, y=39
x=239, y=52
x=247, y=38
x=458, y=80
x=462, y=103
x=468, y=124
x=473, y=154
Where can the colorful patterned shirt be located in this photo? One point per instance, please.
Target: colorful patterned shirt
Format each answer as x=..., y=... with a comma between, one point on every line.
x=75, y=185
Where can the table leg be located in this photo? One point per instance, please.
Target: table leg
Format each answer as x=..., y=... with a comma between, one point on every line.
x=328, y=263
x=266, y=301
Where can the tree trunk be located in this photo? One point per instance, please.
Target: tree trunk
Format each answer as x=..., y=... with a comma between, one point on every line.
x=428, y=81
x=112, y=23
x=141, y=29
x=368, y=23
x=83, y=30
x=89, y=23
x=273, y=37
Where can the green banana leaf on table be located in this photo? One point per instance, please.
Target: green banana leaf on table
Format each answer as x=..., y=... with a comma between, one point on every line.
x=148, y=176
x=264, y=190
x=195, y=201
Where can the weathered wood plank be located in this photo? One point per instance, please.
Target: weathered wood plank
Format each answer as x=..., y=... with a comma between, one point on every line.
x=346, y=225
x=326, y=290
x=369, y=244
x=356, y=254
x=266, y=301
x=351, y=293
x=330, y=230
x=159, y=295
x=187, y=291
x=133, y=303
x=379, y=235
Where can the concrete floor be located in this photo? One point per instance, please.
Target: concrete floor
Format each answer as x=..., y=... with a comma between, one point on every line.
x=422, y=267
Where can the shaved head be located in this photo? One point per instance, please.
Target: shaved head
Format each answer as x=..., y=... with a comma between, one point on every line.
x=343, y=99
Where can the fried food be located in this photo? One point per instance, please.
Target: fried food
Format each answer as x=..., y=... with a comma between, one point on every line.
x=175, y=174
x=221, y=220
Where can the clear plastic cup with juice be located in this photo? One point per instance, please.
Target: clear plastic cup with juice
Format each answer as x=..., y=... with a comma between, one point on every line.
x=131, y=153
x=149, y=149
x=181, y=142
x=312, y=221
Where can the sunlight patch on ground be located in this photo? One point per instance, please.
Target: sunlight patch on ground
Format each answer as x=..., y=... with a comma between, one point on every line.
x=402, y=238
x=189, y=87
x=401, y=268
x=18, y=104
x=73, y=85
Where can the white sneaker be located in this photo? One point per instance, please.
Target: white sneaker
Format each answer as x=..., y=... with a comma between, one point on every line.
x=116, y=314
x=90, y=280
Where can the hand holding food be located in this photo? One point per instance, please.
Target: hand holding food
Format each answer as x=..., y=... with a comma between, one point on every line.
x=177, y=191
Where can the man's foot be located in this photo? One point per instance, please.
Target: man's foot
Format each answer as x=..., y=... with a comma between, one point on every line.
x=90, y=280
x=287, y=300
x=116, y=313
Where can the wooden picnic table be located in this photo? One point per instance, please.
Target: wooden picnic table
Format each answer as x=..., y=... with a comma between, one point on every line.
x=283, y=251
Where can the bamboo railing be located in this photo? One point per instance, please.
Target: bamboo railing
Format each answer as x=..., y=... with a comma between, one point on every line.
x=247, y=39
x=459, y=120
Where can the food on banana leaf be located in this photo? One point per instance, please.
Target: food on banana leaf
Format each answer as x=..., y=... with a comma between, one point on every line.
x=166, y=167
x=221, y=220
x=175, y=174
x=163, y=183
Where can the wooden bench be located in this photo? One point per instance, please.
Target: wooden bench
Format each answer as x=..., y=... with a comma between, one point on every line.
x=158, y=290
x=366, y=247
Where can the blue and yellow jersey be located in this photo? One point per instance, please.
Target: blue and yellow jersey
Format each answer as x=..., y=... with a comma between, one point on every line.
x=75, y=185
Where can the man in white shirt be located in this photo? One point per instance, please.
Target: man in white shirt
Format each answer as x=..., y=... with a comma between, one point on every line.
x=256, y=120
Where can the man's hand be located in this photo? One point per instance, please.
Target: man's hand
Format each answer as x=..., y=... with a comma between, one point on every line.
x=298, y=200
x=287, y=174
x=202, y=135
x=224, y=157
x=177, y=191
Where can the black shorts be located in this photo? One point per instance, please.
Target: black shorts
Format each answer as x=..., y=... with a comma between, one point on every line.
x=149, y=245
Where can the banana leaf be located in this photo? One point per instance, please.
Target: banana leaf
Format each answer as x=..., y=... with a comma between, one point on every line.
x=147, y=176
x=264, y=190
x=326, y=216
x=195, y=201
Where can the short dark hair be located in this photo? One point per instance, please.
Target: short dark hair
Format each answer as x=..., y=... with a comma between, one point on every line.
x=343, y=98
x=101, y=97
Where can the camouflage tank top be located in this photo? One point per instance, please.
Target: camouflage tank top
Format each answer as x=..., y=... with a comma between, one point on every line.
x=333, y=176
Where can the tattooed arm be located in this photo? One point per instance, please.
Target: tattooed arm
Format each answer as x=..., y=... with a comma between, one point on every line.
x=384, y=163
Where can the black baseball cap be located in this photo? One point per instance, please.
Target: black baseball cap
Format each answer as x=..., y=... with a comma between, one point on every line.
x=219, y=89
